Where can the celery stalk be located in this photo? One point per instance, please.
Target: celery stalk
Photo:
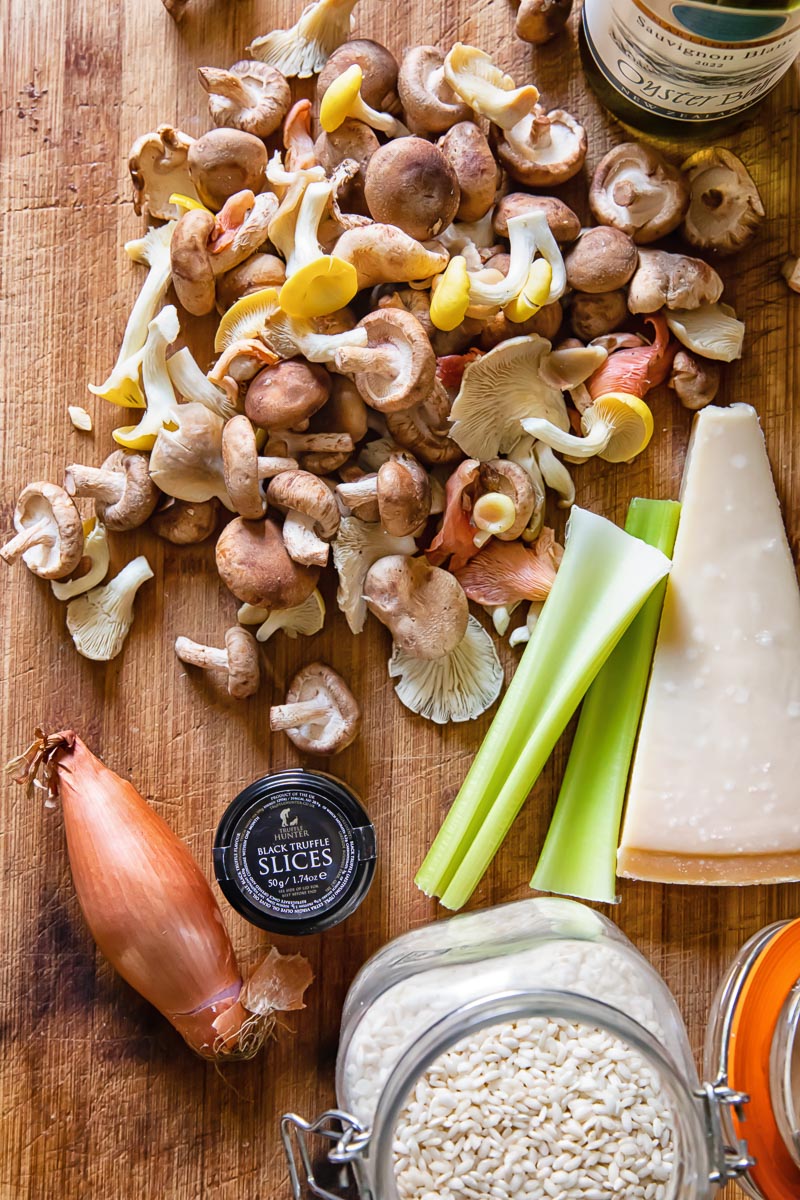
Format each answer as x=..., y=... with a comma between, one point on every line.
x=579, y=855
x=603, y=580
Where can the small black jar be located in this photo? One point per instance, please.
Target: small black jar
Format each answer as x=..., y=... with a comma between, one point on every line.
x=295, y=852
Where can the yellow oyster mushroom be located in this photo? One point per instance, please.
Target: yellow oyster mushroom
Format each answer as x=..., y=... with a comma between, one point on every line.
x=534, y=294
x=450, y=299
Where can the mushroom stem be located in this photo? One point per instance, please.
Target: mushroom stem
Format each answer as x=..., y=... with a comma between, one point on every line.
x=206, y=657
x=269, y=465
x=317, y=443
x=225, y=83
x=303, y=712
x=31, y=535
x=96, y=482
x=540, y=135
x=377, y=360
x=356, y=491
x=626, y=193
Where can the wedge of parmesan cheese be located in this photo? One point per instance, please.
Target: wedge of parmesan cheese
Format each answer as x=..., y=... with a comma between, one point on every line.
x=714, y=795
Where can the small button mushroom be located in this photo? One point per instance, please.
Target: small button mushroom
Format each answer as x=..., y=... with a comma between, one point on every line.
x=429, y=103
x=725, y=207
x=378, y=69
x=564, y=223
x=423, y=607
x=403, y=492
x=286, y=394
x=397, y=367
x=185, y=522
x=425, y=428
x=321, y=715
x=49, y=537
x=355, y=142
x=694, y=380
x=251, y=96
x=539, y=21
x=411, y=184
x=159, y=168
x=312, y=515
x=254, y=565
x=239, y=660
x=470, y=155
x=124, y=494
x=636, y=190
x=226, y=161
x=665, y=280
x=190, y=259
x=592, y=316
x=245, y=470
x=384, y=254
x=544, y=149
x=511, y=483
x=602, y=260
x=257, y=272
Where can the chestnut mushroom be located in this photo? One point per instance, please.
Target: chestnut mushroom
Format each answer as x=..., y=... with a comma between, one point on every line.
x=397, y=367
x=602, y=260
x=251, y=96
x=255, y=566
x=592, y=316
x=226, y=161
x=124, y=494
x=543, y=150
x=355, y=142
x=725, y=207
x=470, y=155
x=411, y=184
x=665, y=280
x=245, y=470
x=695, y=380
x=429, y=103
x=321, y=715
x=505, y=501
x=49, y=537
x=424, y=607
x=345, y=412
x=286, y=394
x=564, y=223
x=403, y=492
x=539, y=21
x=636, y=190
x=424, y=429
x=378, y=69
x=239, y=660
x=257, y=272
x=312, y=515
x=190, y=261
x=185, y=522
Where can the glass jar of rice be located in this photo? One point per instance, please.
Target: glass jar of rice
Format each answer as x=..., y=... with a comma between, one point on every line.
x=523, y=1051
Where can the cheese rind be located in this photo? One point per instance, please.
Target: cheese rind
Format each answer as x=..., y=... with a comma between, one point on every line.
x=714, y=795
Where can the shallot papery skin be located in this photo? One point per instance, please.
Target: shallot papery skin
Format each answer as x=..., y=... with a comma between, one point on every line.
x=151, y=911
x=636, y=369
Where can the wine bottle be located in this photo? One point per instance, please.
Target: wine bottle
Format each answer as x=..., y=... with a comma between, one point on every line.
x=686, y=67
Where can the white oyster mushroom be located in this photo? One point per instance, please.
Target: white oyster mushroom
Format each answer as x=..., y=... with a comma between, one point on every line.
x=194, y=385
x=458, y=687
x=123, y=386
x=95, y=548
x=498, y=391
x=712, y=331
x=100, y=620
x=356, y=547
x=555, y=474
x=306, y=618
x=304, y=49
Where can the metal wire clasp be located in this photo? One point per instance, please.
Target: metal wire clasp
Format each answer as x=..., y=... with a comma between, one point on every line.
x=351, y=1139
x=730, y=1161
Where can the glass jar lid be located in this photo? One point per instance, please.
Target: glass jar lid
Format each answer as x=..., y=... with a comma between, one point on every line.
x=761, y=1058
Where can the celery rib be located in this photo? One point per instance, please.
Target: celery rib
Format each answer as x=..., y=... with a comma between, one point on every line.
x=604, y=578
x=579, y=853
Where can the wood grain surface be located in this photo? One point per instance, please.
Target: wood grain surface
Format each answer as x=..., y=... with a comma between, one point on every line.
x=100, y=1099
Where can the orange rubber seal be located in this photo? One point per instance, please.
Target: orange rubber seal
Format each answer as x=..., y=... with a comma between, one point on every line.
x=769, y=981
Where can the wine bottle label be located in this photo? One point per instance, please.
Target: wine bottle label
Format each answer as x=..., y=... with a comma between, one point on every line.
x=689, y=60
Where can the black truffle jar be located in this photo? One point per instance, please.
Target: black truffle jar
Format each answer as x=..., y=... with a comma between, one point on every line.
x=295, y=852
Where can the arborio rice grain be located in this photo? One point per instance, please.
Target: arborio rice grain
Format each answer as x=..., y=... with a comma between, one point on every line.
x=538, y=1108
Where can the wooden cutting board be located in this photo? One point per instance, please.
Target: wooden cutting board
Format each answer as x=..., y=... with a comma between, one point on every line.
x=100, y=1100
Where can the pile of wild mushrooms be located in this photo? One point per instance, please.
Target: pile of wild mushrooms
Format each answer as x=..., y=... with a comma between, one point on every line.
x=412, y=330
